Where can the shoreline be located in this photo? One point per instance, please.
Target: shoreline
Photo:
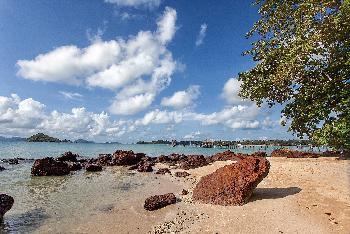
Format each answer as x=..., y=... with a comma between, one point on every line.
x=304, y=195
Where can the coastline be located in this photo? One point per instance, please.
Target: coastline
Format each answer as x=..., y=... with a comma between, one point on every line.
x=298, y=196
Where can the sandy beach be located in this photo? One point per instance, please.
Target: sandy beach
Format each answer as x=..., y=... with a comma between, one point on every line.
x=297, y=196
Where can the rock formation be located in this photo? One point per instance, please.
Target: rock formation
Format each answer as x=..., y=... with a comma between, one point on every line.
x=232, y=184
x=93, y=167
x=284, y=152
x=182, y=174
x=6, y=203
x=159, y=201
x=49, y=167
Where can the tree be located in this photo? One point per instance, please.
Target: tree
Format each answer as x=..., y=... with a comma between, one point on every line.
x=302, y=54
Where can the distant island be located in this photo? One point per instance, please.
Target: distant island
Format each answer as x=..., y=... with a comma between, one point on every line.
x=41, y=137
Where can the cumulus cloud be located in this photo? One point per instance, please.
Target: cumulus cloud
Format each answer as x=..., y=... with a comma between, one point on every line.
x=182, y=99
x=71, y=96
x=201, y=35
x=233, y=117
x=137, y=69
x=230, y=92
x=27, y=116
x=160, y=117
x=136, y=3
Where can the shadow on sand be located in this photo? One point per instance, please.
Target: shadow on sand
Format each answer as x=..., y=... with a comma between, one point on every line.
x=273, y=193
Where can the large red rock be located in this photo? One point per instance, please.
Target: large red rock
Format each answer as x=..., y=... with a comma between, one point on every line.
x=232, y=184
x=159, y=201
x=284, y=152
x=126, y=158
x=6, y=203
x=49, y=167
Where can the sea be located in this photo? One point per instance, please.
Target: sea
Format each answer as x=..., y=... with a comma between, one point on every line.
x=48, y=204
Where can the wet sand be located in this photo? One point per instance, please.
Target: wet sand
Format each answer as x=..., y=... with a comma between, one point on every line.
x=298, y=196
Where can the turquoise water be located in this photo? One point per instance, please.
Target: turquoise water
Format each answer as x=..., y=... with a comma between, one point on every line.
x=52, y=203
x=40, y=150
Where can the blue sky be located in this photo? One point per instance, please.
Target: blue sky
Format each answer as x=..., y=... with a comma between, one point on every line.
x=128, y=70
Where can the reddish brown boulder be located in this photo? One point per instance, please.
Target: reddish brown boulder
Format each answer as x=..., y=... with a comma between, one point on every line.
x=182, y=174
x=145, y=167
x=126, y=158
x=93, y=167
x=49, y=167
x=232, y=184
x=193, y=161
x=74, y=166
x=105, y=160
x=68, y=157
x=184, y=192
x=159, y=201
x=163, y=171
x=284, y=152
x=6, y=203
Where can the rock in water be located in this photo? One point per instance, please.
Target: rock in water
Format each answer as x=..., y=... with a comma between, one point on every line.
x=126, y=158
x=49, y=167
x=6, y=203
x=232, y=184
x=93, y=167
x=159, y=201
x=2, y=168
x=68, y=157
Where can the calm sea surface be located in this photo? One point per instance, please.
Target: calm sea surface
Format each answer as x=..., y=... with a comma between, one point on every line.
x=55, y=202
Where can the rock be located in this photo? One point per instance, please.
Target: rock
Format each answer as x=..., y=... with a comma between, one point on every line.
x=193, y=161
x=2, y=168
x=159, y=201
x=49, y=167
x=232, y=184
x=74, y=166
x=93, y=167
x=126, y=158
x=105, y=160
x=284, y=152
x=162, y=159
x=163, y=171
x=68, y=157
x=182, y=174
x=259, y=154
x=224, y=156
x=13, y=161
x=145, y=167
x=184, y=192
x=6, y=203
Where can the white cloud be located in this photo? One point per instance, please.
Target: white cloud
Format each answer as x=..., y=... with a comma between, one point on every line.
x=160, y=117
x=136, y=3
x=182, y=99
x=192, y=135
x=230, y=92
x=137, y=69
x=71, y=96
x=201, y=35
x=69, y=64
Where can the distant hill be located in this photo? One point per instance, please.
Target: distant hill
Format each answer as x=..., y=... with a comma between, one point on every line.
x=83, y=141
x=12, y=139
x=116, y=143
x=41, y=137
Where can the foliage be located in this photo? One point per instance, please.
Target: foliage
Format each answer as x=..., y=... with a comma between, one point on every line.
x=302, y=54
x=40, y=137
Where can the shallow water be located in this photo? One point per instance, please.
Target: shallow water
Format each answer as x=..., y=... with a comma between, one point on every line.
x=61, y=201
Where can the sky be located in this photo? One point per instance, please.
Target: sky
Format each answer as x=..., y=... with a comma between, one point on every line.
x=129, y=70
